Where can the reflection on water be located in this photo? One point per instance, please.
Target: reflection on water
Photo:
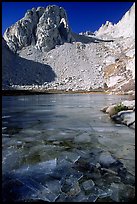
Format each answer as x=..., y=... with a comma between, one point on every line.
x=52, y=149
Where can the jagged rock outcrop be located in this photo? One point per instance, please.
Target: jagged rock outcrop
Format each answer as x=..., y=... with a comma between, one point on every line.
x=124, y=28
x=43, y=28
x=105, y=30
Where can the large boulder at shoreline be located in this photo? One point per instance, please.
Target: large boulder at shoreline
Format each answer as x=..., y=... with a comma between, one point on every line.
x=123, y=112
x=111, y=110
x=125, y=117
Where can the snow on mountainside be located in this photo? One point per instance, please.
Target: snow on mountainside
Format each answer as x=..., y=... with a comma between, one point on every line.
x=56, y=58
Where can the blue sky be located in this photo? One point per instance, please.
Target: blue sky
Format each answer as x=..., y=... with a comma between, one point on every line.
x=82, y=16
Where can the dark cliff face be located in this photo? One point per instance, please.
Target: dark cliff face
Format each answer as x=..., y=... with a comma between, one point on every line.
x=17, y=70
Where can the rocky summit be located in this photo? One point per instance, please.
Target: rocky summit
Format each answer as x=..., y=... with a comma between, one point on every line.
x=42, y=27
x=41, y=52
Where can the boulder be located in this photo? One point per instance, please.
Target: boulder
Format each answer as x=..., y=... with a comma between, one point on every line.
x=106, y=159
x=122, y=192
x=129, y=104
x=126, y=117
x=123, y=112
x=111, y=110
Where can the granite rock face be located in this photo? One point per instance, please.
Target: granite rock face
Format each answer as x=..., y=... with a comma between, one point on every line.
x=124, y=28
x=104, y=60
x=43, y=28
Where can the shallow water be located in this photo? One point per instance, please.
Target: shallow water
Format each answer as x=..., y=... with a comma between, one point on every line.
x=47, y=138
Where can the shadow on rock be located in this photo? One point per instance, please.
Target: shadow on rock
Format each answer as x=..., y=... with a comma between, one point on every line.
x=20, y=71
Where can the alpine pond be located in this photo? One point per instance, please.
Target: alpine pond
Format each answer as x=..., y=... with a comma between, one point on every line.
x=61, y=147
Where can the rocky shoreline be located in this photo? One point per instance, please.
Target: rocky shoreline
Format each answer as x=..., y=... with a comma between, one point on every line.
x=123, y=112
x=50, y=91
x=29, y=91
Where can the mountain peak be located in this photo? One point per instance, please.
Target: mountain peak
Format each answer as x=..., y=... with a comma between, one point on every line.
x=43, y=28
x=108, y=23
x=124, y=28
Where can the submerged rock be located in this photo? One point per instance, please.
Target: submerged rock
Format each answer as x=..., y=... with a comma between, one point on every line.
x=83, y=138
x=106, y=159
x=122, y=193
x=81, y=197
x=74, y=190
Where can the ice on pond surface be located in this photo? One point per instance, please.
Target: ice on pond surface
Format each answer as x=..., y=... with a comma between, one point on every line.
x=46, y=167
x=6, y=116
x=83, y=138
x=63, y=148
x=88, y=185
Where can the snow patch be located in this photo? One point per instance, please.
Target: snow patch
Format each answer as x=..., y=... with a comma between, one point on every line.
x=64, y=21
x=113, y=80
